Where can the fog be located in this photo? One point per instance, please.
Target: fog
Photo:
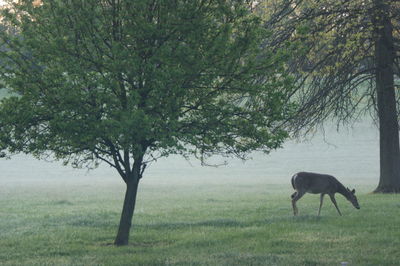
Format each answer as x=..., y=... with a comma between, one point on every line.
x=351, y=155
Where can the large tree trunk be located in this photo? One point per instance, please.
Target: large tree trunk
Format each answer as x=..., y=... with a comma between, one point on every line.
x=388, y=122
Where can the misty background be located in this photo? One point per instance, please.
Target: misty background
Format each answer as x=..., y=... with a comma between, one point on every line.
x=352, y=155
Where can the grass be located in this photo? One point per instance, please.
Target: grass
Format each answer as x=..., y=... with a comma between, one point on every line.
x=73, y=222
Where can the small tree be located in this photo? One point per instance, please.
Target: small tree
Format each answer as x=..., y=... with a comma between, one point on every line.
x=127, y=82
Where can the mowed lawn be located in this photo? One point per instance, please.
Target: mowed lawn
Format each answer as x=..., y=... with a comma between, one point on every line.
x=241, y=222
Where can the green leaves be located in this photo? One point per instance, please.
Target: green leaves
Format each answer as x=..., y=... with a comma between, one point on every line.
x=116, y=80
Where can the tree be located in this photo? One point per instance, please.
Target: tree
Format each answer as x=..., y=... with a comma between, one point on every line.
x=127, y=82
x=345, y=56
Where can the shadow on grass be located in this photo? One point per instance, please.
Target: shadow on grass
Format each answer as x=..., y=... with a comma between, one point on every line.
x=140, y=243
x=107, y=219
x=218, y=223
x=96, y=220
x=62, y=202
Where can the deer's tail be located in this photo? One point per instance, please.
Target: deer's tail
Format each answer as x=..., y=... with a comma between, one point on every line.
x=292, y=181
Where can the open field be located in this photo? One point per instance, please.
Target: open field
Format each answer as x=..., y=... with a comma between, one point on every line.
x=188, y=215
x=74, y=222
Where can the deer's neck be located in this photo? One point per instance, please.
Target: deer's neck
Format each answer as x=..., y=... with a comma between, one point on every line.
x=342, y=189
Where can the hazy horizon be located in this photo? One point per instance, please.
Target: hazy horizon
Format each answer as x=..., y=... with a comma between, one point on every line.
x=351, y=155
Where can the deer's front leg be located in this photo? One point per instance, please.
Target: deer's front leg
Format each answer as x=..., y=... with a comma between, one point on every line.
x=320, y=203
x=334, y=203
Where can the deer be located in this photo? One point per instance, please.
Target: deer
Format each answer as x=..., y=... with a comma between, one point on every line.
x=305, y=182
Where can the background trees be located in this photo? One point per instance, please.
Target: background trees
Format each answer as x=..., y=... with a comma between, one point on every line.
x=346, y=56
x=127, y=82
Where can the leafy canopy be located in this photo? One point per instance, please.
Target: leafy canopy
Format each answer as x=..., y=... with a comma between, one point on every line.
x=125, y=81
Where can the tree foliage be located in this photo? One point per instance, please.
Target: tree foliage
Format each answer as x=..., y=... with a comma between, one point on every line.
x=334, y=54
x=127, y=82
x=346, y=60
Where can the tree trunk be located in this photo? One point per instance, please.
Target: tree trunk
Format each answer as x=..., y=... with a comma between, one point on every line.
x=132, y=184
x=127, y=213
x=389, y=181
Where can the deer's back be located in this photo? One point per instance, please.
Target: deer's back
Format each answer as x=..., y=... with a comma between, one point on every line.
x=315, y=183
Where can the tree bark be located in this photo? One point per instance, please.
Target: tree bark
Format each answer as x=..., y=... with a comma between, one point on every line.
x=132, y=184
x=389, y=181
x=127, y=214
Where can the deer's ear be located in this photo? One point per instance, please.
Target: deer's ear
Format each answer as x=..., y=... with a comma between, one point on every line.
x=353, y=191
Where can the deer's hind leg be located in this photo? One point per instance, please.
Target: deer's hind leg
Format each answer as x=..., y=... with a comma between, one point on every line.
x=295, y=197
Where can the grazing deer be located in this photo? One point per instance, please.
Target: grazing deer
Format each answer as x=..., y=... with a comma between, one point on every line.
x=304, y=182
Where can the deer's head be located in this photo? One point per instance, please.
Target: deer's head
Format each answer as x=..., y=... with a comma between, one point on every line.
x=351, y=196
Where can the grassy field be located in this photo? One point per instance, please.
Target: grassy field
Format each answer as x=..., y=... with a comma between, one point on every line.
x=204, y=222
